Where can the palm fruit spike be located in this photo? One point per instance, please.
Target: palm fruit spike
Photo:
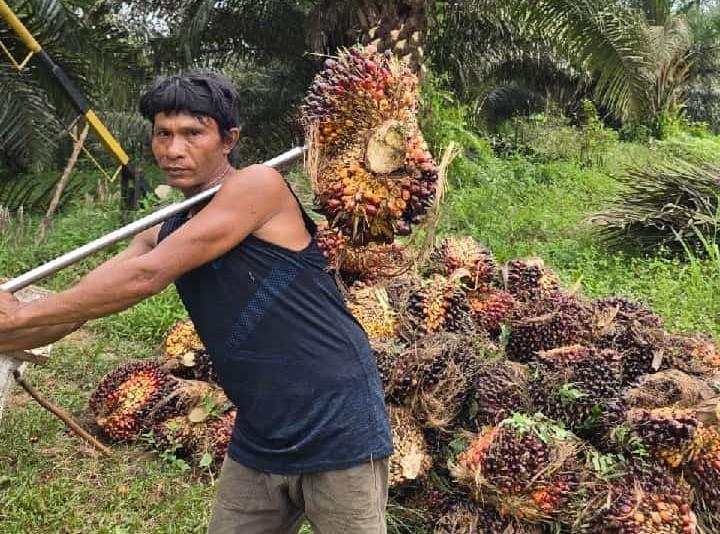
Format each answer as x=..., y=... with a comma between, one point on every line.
x=373, y=263
x=463, y=253
x=551, y=322
x=491, y=308
x=579, y=386
x=410, y=460
x=125, y=399
x=694, y=354
x=372, y=172
x=647, y=499
x=634, y=331
x=704, y=476
x=525, y=467
x=438, y=304
x=185, y=355
x=500, y=390
x=529, y=279
x=370, y=306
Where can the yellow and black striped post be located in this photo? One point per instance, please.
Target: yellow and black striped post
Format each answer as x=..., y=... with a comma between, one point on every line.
x=77, y=99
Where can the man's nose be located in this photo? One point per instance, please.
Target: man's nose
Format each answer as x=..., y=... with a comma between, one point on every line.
x=175, y=147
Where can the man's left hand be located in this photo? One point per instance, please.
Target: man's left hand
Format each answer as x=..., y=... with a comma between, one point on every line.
x=9, y=305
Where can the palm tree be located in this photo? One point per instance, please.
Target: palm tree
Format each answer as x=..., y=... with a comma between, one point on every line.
x=634, y=55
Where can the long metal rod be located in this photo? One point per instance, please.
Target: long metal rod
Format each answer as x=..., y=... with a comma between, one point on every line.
x=130, y=230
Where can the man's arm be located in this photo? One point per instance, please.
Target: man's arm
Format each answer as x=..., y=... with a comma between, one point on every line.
x=39, y=336
x=245, y=202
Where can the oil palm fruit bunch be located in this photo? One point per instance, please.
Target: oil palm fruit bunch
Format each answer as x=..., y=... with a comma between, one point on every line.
x=387, y=353
x=214, y=435
x=579, y=386
x=134, y=396
x=175, y=433
x=330, y=241
x=411, y=460
x=462, y=516
x=373, y=263
x=437, y=400
x=491, y=308
x=526, y=467
x=371, y=169
x=185, y=355
x=371, y=308
x=455, y=254
x=672, y=436
x=423, y=364
x=633, y=330
x=694, y=354
x=499, y=391
x=703, y=473
x=550, y=322
x=529, y=279
x=437, y=304
x=646, y=499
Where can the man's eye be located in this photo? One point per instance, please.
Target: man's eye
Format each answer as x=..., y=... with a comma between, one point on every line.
x=161, y=134
x=194, y=133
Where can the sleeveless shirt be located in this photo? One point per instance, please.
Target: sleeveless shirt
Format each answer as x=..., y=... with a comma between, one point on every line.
x=289, y=355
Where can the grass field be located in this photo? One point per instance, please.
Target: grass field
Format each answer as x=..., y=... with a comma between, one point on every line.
x=518, y=206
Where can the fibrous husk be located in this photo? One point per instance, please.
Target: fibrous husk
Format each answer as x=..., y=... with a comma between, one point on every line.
x=579, y=386
x=499, y=391
x=634, y=331
x=491, y=308
x=371, y=307
x=411, y=460
x=527, y=468
x=372, y=173
x=454, y=254
x=553, y=321
x=669, y=388
x=641, y=498
x=529, y=279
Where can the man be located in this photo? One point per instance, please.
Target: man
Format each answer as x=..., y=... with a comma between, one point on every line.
x=312, y=437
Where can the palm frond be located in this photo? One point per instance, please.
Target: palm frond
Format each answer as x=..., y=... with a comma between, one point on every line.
x=676, y=205
x=28, y=124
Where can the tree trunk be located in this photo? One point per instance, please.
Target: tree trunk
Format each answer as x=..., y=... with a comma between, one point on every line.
x=398, y=25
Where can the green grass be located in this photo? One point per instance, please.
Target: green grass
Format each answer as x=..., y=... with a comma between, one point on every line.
x=52, y=482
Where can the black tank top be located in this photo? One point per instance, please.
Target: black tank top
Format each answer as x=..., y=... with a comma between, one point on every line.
x=289, y=355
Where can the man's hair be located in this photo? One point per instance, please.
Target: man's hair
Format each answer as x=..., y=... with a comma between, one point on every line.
x=200, y=93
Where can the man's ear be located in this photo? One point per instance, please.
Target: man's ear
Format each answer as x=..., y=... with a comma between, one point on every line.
x=230, y=139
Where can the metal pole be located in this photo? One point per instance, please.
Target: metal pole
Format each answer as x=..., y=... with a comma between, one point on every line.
x=128, y=231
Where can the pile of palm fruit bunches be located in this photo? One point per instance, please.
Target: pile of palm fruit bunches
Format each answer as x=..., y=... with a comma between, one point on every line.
x=516, y=406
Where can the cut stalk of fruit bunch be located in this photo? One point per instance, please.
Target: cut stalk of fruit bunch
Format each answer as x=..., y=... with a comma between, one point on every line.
x=185, y=355
x=411, y=460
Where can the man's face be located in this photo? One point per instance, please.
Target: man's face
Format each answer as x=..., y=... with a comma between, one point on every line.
x=190, y=151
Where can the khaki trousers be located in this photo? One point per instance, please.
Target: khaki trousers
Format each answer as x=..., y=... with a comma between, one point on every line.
x=347, y=501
